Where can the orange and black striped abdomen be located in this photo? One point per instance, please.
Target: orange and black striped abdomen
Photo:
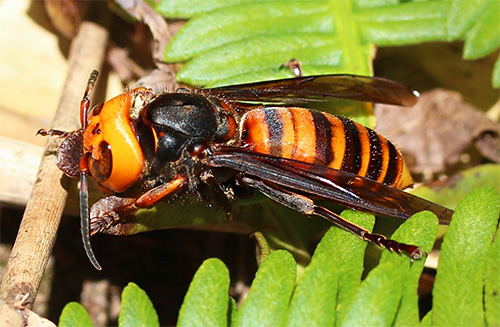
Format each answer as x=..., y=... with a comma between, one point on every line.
x=316, y=137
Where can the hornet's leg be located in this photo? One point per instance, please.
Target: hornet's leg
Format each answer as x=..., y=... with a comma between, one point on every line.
x=53, y=132
x=306, y=206
x=215, y=193
x=128, y=207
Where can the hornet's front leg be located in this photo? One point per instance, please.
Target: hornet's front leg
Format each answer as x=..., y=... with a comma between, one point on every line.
x=113, y=209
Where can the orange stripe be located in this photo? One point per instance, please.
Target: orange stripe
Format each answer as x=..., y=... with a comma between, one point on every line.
x=305, y=135
x=255, y=131
x=337, y=142
x=364, y=141
x=288, y=132
x=385, y=158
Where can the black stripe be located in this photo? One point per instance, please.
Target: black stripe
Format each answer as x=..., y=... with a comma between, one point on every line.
x=323, y=130
x=393, y=167
x=352, y=154
x=275, y=128
x=376, y=156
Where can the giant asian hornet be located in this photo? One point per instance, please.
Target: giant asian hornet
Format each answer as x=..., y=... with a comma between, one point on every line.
x=215, y=142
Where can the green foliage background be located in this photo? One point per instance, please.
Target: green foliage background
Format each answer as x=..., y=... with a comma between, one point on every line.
x=229, y=42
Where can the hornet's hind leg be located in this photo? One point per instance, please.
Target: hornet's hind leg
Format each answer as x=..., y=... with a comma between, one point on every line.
x=305, y=205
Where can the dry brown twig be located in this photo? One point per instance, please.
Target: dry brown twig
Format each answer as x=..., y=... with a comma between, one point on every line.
x=37, y=232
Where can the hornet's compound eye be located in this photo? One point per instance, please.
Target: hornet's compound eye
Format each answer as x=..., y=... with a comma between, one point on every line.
x=101, y=166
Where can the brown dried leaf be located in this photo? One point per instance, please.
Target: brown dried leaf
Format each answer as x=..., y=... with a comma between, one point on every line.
x=66, y=16
x=436, y=133
x=160, y=30
x=164, y=76
x=159, y=79
x=126, y=68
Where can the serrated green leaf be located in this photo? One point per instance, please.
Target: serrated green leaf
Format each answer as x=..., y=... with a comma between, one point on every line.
x=251, y=41
x=484, y=37
x=378, y=298
x=184, y=9
x=314, y=300
x=492, y=284
x=232, y=24
x=181, y=9
x=314, y=296
x=420, y=230
x=426, y=320
x=407, y=23
x=349, y=260
x=337, y=263
x=462, y=16
x=263, y=53
x=74, y=315
x=392, y=34
x=408, y=11
x=233, y=312
x=206, y=302
x=364, y=4
x=267, y=302
x=136, y=308
x=458, y=289
x=222, y=41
